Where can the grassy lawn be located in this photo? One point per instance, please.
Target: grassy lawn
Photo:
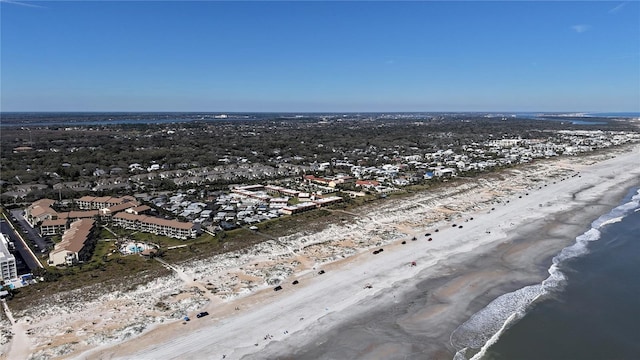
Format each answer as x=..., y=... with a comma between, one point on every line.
x=105, y=234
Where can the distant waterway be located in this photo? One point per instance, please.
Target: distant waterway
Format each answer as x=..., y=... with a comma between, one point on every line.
x=579, y=118
x=105, y=119
x=70, y=119
x=616, y=114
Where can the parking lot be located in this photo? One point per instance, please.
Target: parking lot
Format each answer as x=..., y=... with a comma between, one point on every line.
x=24, y=252
x=40, y=244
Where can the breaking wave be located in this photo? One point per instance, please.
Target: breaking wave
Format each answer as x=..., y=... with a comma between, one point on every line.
x=486, y=326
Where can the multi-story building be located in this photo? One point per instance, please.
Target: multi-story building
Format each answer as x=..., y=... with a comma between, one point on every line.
x=77, y=215
x=8, y=268
x=157, y=226
x=97, y=203
x=76, y=245
x=139, y=210
x=40, y=211
x=107, y=213
x=53, y=227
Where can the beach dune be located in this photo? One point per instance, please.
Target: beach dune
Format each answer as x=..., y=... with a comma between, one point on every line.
x=473, y=242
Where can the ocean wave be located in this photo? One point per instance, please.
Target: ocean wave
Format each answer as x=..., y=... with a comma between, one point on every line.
x=486, y=326
x=612, y=221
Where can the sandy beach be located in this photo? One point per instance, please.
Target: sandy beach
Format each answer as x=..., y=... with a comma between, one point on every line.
x=473, y=242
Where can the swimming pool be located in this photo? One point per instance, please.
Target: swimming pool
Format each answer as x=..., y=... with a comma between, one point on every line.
x=131, y=247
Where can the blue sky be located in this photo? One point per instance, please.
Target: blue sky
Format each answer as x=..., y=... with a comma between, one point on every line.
x=320, y=56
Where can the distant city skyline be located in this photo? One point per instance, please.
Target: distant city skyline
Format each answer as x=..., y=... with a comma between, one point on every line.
x=429, y=56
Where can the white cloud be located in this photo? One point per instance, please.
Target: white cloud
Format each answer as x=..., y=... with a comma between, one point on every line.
x=616, y=8
x=580, y=28
x=21, y=3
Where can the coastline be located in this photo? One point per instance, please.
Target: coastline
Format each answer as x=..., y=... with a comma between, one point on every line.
x=574, y=321
x=461, y=270
x=429, y=311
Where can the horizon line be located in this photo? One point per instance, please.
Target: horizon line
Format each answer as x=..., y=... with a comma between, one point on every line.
x=313, y=112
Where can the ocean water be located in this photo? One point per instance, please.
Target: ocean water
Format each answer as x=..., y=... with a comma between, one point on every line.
x=617, y=114
x=588, y=307
x=596, y=278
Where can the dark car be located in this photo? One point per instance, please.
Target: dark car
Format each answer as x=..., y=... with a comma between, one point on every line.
x=277, y=288
x=201, y=314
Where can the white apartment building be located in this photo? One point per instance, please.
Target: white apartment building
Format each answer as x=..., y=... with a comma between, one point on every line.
x=8, y=266
x=97, y=203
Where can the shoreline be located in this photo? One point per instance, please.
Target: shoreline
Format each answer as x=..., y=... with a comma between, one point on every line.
x=432, y=309
x=324, y=302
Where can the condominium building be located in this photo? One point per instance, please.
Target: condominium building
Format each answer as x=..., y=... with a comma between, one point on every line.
x=97, y=203
x=53, y=227
x=108, y=212
x=76, y=245
x=40, y=211
x=157, y=226
x=8, y=266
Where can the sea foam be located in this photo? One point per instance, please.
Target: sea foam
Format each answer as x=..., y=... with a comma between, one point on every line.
x=486, y=326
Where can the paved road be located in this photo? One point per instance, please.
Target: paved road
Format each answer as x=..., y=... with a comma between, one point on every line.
x=32, y=234
x=29, y=257
x=32, y=237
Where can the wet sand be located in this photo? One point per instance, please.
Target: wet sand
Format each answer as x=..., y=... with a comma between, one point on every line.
x=418, y=321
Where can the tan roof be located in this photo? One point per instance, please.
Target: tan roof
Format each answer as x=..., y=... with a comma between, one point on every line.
x=54, y=222
x=154, y=220
x=41, y=210
x=141, y=208
x=86, y=198
x=75, y=237
x=79, y=214
x=367, y=182
x=170, y=223
x=115, y=208
x=43, y=203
